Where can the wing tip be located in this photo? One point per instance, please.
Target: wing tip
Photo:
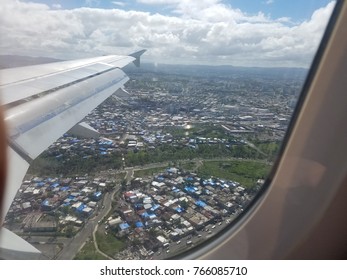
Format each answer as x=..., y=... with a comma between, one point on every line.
x=137, y=56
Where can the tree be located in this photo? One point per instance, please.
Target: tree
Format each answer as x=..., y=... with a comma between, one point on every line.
x=69, y=231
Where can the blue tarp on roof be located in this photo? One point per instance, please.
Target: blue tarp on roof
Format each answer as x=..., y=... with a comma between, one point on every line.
x=97, y=194
x=211, y=182
x=54, y=185
x=138, y=205
x=200, y=203
x=155, y=207
x=124, y=226
x=81, y=207
x=64, y=189
x=152, y=216
x=45, y=202
x=190, y=189
x=139, y=224
x=160, y=178
x=179, y=210
x=145, y=215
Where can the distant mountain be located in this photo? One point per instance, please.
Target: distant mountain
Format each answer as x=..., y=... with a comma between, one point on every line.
x=220, y=71
x=10, y=61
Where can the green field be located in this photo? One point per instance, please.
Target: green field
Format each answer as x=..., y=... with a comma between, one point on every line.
x=88, y=252
x=109, y=244
x=148, y=172
x=188, y=165
x=245, y=172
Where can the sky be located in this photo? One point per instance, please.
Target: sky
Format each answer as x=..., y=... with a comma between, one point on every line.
x=267, y=33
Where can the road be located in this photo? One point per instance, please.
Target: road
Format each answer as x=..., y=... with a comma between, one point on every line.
x=67, y=248
x=76, y=243
x=182, y=245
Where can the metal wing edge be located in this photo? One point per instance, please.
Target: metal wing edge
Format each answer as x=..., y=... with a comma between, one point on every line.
x=35, y=125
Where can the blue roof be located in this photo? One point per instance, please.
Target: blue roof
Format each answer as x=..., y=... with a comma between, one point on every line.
x=97, y=194
x=200, y=203
x=55, y=185
x=124, y=226
x=138, y=205
x=179, y=210
x=207, y=191
x=160, y=178
x=139, y=224
x=66, y=188
x=145, y=215
x=190, y=189
x=81, y=207
x=108, y=143
x=155, y=207
x=45, y=202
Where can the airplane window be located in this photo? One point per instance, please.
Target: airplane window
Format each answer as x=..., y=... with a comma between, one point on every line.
x=179, y=150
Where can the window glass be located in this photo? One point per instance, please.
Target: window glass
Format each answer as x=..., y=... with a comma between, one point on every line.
x=186, y=146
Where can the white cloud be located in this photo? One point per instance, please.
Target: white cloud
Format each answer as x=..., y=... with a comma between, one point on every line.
x=269, y=2
x=56, y=6
x=202, y=32
x=118, y=3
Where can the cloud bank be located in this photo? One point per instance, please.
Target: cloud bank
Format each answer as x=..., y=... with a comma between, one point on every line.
x=196, y=32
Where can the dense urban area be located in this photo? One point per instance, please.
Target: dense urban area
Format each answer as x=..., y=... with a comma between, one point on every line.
x=177, y=157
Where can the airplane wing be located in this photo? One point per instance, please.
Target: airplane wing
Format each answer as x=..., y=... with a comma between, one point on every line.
x=42, y=102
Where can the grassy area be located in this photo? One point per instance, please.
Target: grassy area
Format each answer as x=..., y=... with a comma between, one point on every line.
x=148, y=172
x=88, y=252
x=109, y=244
x=245, y=172
x=270, y=148
x=120, y=176
x=188, y=165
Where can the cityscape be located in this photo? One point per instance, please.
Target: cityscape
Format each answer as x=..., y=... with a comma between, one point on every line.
x=180, y=154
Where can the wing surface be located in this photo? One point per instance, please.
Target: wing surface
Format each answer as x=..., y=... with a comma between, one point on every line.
x=42, y=102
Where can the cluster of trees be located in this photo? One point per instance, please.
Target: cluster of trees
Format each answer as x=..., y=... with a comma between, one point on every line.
x=46, y=164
